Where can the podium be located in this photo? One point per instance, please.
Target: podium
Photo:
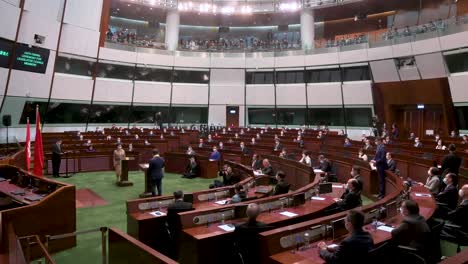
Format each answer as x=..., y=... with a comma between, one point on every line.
x=147, y=191
x=124, y=174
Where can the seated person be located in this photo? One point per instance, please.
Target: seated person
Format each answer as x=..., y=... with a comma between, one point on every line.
x=246, y=235
x=464, y=140
x=147, y=143
x=367, y=144
x=440, y=145
x=459, y=216
x=356, y=174
x=228, y=176
x=417, y=143
x=432, y=180
x=215, y=155
x=173, y=221
x=88, y=143
x=240, y=194
x=192, y=168
x=179, y=203
x=283, y=154
x=201, y=144
x=300, y=141
x=190, y=151
x=413, y=230
x=412, y=136
x=306, y=158
x=324, y=164
x=90, y=148
x=221, y=145
x=267, y=168
x=351, y=198
x=391, y=163
x=253, y=141
x=278, y=146
x=362, y=155
x=353, y=249
x=130, y=147
x=453, y=134
x=347, y=143
x=256, y=162
x=282, y=186
x=244, y=149
x=449, y=195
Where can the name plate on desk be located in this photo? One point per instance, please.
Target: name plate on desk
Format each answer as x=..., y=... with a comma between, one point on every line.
x=157, y=213
x=258, y=173
x=288, y=214
x=227, y=228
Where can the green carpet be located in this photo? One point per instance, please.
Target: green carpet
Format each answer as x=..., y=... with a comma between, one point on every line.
x=88, y=249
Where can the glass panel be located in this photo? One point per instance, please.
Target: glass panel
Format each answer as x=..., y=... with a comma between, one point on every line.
x=67, y=113
x=325, y=75
x=146, y=114
x=457, y=62
x=153, y=74
x=261, y=116
x=20, y=108
x=290, y=77
x=189, y=115
x=360, y=117
x=182, y=76
x=74, y=66
x=103, y=113
x=291, y=116
x=259, y=78
x=462, y=117
x=115, y=71
x=326, y=116
x=356, y=73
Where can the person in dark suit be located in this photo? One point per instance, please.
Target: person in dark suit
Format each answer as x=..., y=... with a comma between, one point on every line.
x=380, y=162
x=256, y=162
x=278, y=146
x=459, y=216
x=179, y=203
x=417, y=143
x=391, y=163
x=451, y=162
x=56, y=158
x=351, y=198
x=353, y=249
x=324, y=164
x=244, y=149
x=246, y=235
x=449, y=195
x=267, y=168
x=282, y=186
x=356, y=174
x=158, y=120
x=413, y=230
x=192, y=168
x=155, y=171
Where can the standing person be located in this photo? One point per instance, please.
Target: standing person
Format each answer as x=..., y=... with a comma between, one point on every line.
x=119, y=155
x=56, y=158
x=380, y=162
x=155, y=171
x=158, y=119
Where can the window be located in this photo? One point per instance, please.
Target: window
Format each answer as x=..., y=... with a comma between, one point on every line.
x=189, y=115
x=326, y=116
x=462, y=117
x=29, y=109
x=74, y=66
x=153, y=74
x=360, y=73
x=146, y=114
x=262, y=116
x=325, y=75
x=457, y=62
x=360, y=117
x=102, y=113
x=290, y=77
x=115, y=71
x=259, y=78
x=291, y=116
x=184, y=76
x=67, y=113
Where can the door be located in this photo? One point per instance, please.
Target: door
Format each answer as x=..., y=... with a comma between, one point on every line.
x=232, y=116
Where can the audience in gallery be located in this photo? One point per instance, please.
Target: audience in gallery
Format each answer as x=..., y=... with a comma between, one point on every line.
x=282, y=186
x=355, y=247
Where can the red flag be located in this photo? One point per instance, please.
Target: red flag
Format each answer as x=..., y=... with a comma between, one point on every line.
x=38, y=148
x=28, y=146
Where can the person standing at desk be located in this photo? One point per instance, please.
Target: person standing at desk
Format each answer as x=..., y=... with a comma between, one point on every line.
x=380, y=162
x=155, y=171
x=119, y=155
x=451, y=162
x=353, y=249
x=56, y=158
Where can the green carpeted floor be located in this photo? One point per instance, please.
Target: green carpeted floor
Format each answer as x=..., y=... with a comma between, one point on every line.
x=88, y=249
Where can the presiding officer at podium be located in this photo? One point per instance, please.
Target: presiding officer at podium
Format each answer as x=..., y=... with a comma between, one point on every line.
x=155, y=171
x=56, y=158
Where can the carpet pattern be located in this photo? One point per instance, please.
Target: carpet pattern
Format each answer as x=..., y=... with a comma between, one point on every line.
x=88, y=198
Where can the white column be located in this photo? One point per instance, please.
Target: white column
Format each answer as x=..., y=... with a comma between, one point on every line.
x=172, y=29
x=307, y=28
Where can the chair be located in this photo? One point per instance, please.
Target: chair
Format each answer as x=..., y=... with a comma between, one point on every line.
x=246, y=199
x=173, y=229
x=378, y=254
x=331, y=176
x=454, y=234
x=435, y=252
x=409, y=255
x=246, y=244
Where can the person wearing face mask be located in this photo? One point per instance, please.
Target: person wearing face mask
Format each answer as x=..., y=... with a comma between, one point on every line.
x=351, y=198
x=215, y=155
x=119, y=155
x=459, y=216
x=353, y=249
x=417, y=143
x=449, y=195
x=243, y=148
x=413, y=230
x=432, y=181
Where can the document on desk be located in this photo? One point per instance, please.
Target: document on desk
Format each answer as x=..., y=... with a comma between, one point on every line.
x=337, y=186
x=288, y=214
x=422, y=195
x=258, y=173
x=318, y=171
x=227, y=228
x=317, y=198
x=221, y=202
x=385, y=228
x=157, y=213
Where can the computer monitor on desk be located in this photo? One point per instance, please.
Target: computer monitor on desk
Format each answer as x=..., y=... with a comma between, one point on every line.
x=298, y=199
x=325, y=188
x=338, y=228
x=188, y=198
x=392, y=209
x=240, y=211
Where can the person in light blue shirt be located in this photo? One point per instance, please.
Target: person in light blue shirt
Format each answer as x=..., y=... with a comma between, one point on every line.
x=215, y=155
x=240, y=194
